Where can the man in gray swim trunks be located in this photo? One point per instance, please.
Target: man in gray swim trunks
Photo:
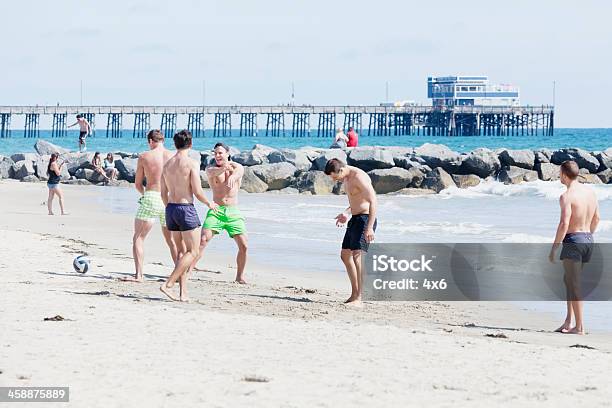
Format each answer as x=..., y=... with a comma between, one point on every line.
x=579, y=219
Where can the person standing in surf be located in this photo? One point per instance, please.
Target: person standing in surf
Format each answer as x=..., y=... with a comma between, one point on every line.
x=579, y=220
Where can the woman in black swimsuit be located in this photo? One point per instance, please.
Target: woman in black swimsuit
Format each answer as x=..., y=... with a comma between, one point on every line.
x=54, y=172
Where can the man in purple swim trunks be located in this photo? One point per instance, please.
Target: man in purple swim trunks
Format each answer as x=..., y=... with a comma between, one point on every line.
x=180, y=181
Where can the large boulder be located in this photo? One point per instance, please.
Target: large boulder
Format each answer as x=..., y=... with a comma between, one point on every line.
x=418, y=175
x=605, y=176
x=251, y=183
x=519, y=158
x=542, y=156
x=298, y=158
x=75, y=161
x=547, y=171
x=6, y=167
x=17, y=157
x=605, y=159
x=315, y=182
x=127, y=168
x=320, y=161
x=439, y=156
x=43, y=147
x=516, y=175
x=437, y=180
x=589, y=179
x=398, y=151
x=258, y=155
x=466, y=180
x=389, y=180
x=370, y=158
x=22, y=169
x=481, y=162
x=276, y=175
x=89, y=175
x=583, y=159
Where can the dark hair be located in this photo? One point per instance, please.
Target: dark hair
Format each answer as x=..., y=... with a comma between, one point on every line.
x=182, y=139
x=223, y=145
x=334, y=166
x=53, y=159
x=570, y=169
x=110, y=156
x=96, y=154
x=79, y=116
x=155, y=135
x=351, y=128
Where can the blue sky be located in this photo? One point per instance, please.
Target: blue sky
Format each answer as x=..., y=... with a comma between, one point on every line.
x=336, y=52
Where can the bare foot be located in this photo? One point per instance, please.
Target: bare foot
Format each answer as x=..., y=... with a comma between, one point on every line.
x=575, y=330
x=240, y=281
x=51, y=213
x=166, y=291
x=354, y=301
x=185, y=298
x=65, y=213
x=564, y=328
x=132, y=279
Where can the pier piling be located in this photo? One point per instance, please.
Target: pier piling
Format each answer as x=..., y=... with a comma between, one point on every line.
x=5, y=125
x=248, y=124
x=142, y=124
x=195, y=123
x=58, y=128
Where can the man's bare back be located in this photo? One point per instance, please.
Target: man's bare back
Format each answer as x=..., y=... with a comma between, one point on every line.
x=152, y=163
x=178, y=174
x=583, y=203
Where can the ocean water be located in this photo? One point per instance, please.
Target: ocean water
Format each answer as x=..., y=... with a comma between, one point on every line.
x=588, y=139
x=298, y=232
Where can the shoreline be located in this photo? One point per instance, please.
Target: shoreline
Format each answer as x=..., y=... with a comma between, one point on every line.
x=273, y=329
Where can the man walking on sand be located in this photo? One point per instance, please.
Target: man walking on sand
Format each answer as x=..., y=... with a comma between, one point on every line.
x=151, y=207
x=224, y=178
x=180, y=181
x=579, y=219
x=361, y=227
x=84, y=130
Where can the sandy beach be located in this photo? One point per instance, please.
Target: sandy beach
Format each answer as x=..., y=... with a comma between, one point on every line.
x=285, y=339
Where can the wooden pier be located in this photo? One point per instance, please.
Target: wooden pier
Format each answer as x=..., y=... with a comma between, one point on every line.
x=381, y=120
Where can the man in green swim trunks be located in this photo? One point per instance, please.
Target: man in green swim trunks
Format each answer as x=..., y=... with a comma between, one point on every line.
x=150, y=205
x=224, y=178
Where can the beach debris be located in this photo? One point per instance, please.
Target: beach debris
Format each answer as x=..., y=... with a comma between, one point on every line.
x=586, y=388
x=1, y=371
x=310, y=291
x=469, y=325
x=496, y=335
x=255, y=378
x=23, y=377
x=584, y=346
x=448, y=330
x=56, y=318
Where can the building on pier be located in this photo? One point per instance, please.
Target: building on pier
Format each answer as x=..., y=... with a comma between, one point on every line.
x=470, y=90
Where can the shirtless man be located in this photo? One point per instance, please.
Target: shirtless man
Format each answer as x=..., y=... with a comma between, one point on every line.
x=85, y=130
x=224, y=179
x=151, y=207
x=579, y=219
x=361, y=227
x=180, y=181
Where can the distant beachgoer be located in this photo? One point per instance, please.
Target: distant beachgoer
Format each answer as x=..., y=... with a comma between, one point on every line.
x=96, y=162
x=341, y=140
x=54, y=171
x=353, y=138
x=579, y=219
x=180, y=181
x=85, y=130
x=224, y=179
x=151, y=207
x=109, y=167
x=362, y=224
